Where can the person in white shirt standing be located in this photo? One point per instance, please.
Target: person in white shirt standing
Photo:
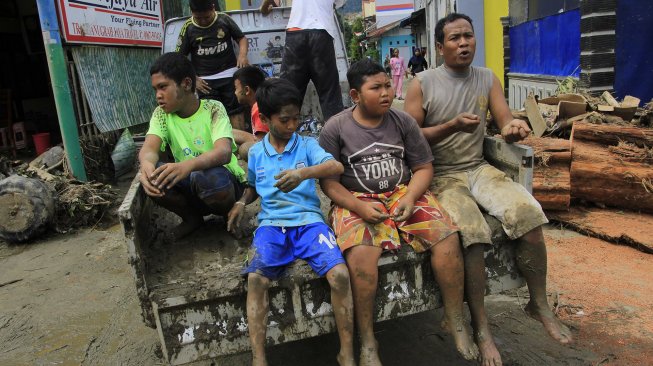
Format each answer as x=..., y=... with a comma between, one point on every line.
x=310, y=29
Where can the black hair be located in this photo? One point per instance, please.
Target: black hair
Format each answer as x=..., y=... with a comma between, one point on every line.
x=250, y=76
x=274, y=94
x=362, y=69
x=201, y=5
x=175, y=66
x=439, y=27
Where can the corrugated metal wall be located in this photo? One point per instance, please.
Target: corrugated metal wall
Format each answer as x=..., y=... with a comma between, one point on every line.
x=116, y=82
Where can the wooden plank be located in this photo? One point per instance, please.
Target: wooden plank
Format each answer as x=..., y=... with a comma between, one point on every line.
x=610, y=99
x=535, y=116
x=621, y=227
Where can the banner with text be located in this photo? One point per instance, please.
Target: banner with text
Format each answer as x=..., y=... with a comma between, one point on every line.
x=114, y=22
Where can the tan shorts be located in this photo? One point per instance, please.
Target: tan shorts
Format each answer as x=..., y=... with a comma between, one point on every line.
x=461, y=194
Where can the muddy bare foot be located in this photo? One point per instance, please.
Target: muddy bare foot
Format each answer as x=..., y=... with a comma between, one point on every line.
x=346, y=360
x=489, y=354
x=259, y=361
x=464, y=344
x=187, y=226
x=552, y=324
x=370, y=355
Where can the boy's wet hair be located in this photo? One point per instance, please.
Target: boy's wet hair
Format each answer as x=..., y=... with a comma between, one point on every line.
x=439, y=27
x=175, y=66
x=250, y=76
x=201, y=5
x=274, y=94
x=362, y=69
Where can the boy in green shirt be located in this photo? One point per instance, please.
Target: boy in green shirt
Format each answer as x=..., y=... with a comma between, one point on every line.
x=205, y=177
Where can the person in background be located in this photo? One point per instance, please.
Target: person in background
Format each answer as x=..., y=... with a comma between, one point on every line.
x=246, y=81
x=207, y=37
x=309, y=53
x=417, y=63
x=386, y=63
x=398, y=69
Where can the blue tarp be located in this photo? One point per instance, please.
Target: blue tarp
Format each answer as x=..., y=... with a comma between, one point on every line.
x=634, y=50
x=547, y=46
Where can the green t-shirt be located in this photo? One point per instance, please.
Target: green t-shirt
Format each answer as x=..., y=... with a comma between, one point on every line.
x=195, y=135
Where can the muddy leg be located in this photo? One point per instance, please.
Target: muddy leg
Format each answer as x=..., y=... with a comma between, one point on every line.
x=257, y=316
x=532, y=262
x=475, y=293
x=343, y=309
x=177, y=203
x=447, y=264
x=363, y=264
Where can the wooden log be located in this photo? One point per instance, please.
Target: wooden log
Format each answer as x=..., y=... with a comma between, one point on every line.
x=551, y=180
x=601, y=176
x=612, y=134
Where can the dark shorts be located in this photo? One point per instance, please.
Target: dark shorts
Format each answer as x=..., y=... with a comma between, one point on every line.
x=200, y=185
x=223, y=90
x=274, y=248
x=309, y=55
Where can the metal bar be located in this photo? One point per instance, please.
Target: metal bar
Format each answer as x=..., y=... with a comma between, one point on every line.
x=60, y=88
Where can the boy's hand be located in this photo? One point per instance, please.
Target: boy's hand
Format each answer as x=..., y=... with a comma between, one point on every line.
x=371, y=213
x=167, y=175
x=467, y=122
x=202, y=86
x=515, y=130
x=146, y=172
x=234, y=217
x=404, y=210
x=288, y=180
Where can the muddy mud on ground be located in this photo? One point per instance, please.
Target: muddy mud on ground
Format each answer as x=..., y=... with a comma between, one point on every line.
x=71, y=300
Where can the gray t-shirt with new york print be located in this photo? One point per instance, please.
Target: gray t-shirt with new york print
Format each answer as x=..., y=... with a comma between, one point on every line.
x=376, y=159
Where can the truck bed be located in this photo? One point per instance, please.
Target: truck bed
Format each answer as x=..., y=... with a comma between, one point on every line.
x=193, y=293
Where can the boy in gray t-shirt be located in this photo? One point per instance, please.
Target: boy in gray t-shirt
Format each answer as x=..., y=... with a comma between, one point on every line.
x=382, y=198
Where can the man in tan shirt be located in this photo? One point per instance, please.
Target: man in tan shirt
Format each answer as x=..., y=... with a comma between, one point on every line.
x=450, y=103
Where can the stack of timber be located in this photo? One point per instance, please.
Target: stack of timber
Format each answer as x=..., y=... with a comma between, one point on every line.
x=551, y=178
x=612, y=165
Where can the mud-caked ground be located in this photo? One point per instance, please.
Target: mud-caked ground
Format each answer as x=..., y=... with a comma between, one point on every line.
x=71, y=300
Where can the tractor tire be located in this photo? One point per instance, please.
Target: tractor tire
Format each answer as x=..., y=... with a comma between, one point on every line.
x=26, y=208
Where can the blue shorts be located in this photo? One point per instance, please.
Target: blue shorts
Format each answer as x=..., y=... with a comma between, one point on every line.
x=274, y=248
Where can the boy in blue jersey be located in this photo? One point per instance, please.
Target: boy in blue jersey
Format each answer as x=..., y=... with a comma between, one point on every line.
x=282, y=169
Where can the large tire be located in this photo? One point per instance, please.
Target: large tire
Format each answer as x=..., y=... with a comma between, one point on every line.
x=26, y=208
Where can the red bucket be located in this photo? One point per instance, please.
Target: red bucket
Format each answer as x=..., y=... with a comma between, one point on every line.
x=41, y=142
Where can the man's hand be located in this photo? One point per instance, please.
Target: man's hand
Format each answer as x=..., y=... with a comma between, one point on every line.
x=167, y=175
x=234, y=217
x=288, y=180
x=404, y=210
x=266, y=6
x=145, y=177
x=466, y=122
x=242, y=61
x=202, y=86
x=371, y=213
x=515, y=130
